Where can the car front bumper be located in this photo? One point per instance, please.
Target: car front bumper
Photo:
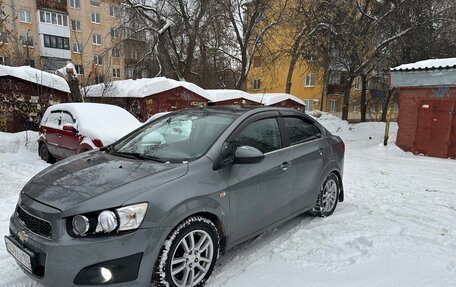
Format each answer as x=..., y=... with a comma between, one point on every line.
x=129, y=257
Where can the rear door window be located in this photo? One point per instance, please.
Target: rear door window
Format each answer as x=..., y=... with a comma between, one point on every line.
x=54, y=119
x=299, y=130
x=263, y=135
x=66, y=118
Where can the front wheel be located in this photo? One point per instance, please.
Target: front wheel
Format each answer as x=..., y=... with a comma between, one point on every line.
x=328, y=197
x=188, y=255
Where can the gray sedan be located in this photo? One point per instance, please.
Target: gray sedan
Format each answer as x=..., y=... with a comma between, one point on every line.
x=160, y=205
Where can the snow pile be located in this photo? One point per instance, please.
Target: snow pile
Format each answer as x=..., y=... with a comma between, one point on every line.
x=428, y=65
x=226, y=95
x=141, y=88
x=269, y=99
x=36, y=76
x=13, y=142
x=107, y=123
x=63, y=71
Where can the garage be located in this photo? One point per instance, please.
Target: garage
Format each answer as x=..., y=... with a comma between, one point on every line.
x=427, y=104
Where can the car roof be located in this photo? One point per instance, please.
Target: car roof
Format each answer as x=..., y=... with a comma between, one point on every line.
x=240, y=110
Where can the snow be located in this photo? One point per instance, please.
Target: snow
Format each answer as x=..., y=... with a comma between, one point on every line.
x=273, y=98
x=395, y=227
x=428, y=64
x=226, y=95
x=36, y=76
x=141, y=88
x=107, y=123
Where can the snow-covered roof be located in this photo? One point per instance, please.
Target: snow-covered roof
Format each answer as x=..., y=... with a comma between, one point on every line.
x=142, y=88
x=36, y=76
x=226, y=95
x=273, y=98
x=436, y=64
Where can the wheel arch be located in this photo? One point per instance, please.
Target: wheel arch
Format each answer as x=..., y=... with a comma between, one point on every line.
x=336, y=168
x=208, y=209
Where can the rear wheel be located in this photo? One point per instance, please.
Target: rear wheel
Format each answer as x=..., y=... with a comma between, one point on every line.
x=45, y=155
x=188, y=255
x=328, y=197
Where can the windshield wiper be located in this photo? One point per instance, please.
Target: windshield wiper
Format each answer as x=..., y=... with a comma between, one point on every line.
x=137, y=155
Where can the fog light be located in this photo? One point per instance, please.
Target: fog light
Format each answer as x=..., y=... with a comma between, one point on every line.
x=106, y=274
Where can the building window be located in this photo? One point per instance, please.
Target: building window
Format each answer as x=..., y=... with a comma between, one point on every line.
x=332, y=106
x=97, y=59
x=3, y=37
x=99, y=79
x=373, y=108
x=310, y=57
x=96, y=39
x=79, y=69
x=334, y=78
x=355, y=107
x=76, y=25
x=78, y=47
x=358, y=83
x=75, y=4
x=29, y=62
x=310, y=80
x=256, y=84
x=25, y=16
x=113, y=11
x=115, y=33
x=96, y=18
x=116, y=53
x=130, y=73
x=56, y=42
x=94, y=3
x=257, y=62
x=53, y=18
x=26, y=40
x=134, y=55
x=116, y=73
x=309, y=105
x=3, y=60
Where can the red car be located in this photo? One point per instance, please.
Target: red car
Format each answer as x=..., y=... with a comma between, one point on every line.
x=69, y=129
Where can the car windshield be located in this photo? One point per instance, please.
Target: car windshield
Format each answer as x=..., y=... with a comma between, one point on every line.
x=177, y=137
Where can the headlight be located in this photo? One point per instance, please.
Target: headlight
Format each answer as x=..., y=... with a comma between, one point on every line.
x=109, y=221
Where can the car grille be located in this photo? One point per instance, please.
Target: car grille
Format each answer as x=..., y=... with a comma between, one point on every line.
x=34, y=224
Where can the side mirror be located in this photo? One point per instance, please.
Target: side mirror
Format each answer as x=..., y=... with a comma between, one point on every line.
x=70, y=128
x=247, y=155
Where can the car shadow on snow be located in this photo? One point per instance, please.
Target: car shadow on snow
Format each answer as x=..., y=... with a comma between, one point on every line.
x=249, y=252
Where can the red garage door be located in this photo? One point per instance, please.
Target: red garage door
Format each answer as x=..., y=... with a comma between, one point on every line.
x=435, y=121
x=452, y=152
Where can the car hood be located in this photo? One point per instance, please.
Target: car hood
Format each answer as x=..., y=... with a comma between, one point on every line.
x=97, y=180
x=107, y=136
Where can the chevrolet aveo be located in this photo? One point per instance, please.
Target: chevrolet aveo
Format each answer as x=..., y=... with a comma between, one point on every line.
x=157, y=207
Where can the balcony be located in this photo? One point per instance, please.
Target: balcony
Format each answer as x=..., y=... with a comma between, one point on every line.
x=336, y=89
x=377, y=93
x=59, y=5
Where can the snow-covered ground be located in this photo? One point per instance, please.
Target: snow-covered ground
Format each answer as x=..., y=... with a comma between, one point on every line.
x=395, y=228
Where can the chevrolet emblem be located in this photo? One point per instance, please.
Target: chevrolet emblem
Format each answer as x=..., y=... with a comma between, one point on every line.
x=22, y=236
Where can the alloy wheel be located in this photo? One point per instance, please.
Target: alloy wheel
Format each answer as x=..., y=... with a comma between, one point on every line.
x=329, y=195
x=192, y=258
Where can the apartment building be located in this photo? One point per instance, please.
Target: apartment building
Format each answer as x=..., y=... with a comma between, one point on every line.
x=48, y=34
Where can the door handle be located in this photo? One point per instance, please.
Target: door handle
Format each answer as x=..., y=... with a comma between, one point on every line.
x=285, y=165
x=321, y=151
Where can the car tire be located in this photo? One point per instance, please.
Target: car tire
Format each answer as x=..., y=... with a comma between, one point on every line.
x=44, y=154
x=189, y=253
x=328, y=197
